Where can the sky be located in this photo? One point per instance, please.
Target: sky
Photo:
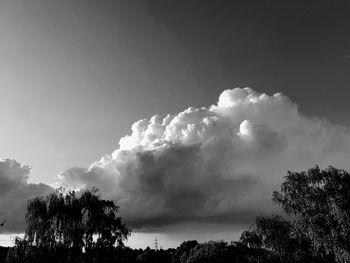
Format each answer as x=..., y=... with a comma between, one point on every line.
x=76, y=75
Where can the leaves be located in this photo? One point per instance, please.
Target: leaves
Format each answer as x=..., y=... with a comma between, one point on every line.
x=320, y=200
x=72, y=222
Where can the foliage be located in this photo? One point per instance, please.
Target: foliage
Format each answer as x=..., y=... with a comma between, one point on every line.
x=211, y=252
x=183, y=251
x=3, y=253
x=320, y=201
x=278, y=235
x=70, y=224
x=154, y=256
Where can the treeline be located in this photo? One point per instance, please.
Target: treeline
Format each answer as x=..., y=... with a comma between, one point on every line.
x=316, y=228
x=187, y=252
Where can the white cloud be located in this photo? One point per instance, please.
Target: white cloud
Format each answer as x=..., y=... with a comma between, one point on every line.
x=212, y=164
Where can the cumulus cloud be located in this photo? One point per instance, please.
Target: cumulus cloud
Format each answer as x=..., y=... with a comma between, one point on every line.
x=14, y=193
x=212, y=164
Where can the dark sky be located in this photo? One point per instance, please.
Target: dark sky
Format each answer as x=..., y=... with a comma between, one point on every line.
x=299, y=48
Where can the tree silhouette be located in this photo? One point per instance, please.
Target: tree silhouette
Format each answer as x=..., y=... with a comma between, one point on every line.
x=183, y=251
x=277, y=235
x=68, y=222
x=210, y=252
x=320, y=201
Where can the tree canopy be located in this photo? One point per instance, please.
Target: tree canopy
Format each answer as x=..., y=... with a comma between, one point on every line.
x=73, y=222
x=320, y=201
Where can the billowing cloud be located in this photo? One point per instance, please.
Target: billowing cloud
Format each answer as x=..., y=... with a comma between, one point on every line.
x=216, y=164
x=14, y=193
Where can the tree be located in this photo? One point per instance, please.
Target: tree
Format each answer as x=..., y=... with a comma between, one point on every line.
x=70, y=222
x=277, y=235
x=210, y=252
x=251, y=238
x=183, y=250
x=320, y=201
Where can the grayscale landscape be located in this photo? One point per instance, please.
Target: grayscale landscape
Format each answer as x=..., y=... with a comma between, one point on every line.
x=174, y=131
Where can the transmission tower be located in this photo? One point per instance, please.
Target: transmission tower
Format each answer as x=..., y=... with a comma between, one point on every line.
x=156, y=243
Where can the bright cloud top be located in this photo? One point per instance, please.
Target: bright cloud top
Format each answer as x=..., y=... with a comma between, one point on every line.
x=212, y=164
